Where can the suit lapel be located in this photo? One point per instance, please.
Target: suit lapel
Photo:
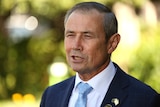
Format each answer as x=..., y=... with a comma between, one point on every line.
x=67, y=92
x=117, y=91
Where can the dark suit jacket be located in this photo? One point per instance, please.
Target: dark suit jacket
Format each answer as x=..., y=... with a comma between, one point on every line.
x=129, y=91
x=157, y=101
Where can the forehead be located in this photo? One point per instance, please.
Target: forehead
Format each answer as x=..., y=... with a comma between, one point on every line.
x=80, y=22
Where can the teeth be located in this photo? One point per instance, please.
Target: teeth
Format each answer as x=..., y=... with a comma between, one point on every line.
x=76, y=57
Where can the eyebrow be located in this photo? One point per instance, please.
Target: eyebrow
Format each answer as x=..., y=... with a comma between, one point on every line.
x=84, y=32
x=69, y=31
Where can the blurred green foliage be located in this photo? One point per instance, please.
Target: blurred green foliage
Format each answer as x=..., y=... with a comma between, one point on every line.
x=145, y=61
x=24, y=63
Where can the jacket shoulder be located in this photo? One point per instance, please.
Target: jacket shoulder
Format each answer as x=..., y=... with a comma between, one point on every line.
x=62, y=84
x=53, y=95
x=134, y=84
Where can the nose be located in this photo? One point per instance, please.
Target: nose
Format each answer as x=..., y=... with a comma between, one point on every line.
x=77, y=45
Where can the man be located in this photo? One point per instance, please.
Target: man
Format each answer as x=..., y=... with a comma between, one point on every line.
x=90, y=38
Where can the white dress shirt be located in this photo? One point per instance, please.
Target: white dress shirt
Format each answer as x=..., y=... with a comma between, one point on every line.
x=100, y=84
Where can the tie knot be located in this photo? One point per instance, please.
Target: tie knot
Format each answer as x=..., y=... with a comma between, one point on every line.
x=84, y=88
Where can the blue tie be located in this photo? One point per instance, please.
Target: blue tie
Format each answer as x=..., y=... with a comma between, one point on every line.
x=84, y=89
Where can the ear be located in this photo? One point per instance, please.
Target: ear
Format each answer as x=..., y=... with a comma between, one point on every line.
x=113, y=43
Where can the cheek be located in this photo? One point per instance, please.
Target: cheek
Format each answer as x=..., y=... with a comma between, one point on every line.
x=98, y=51
x=67, y=50
x=67, y=46
x=92, y=52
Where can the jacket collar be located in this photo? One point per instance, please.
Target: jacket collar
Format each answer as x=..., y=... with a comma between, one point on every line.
x=67, y=92
x=117, y=90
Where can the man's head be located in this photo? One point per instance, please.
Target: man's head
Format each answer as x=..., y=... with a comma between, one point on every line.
x=90, y=38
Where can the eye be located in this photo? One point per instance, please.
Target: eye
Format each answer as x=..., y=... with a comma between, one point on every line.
x=69, y=35
x=87, y=35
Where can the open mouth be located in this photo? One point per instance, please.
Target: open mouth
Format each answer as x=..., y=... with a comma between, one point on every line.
x=76, y=58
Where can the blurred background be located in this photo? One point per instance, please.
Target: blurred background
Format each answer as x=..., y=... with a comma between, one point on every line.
x=32, y=54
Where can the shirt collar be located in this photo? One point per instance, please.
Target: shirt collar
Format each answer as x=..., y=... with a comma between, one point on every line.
x=102, y=79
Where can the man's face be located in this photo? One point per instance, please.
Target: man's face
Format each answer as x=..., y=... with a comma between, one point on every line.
x=85, y=43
